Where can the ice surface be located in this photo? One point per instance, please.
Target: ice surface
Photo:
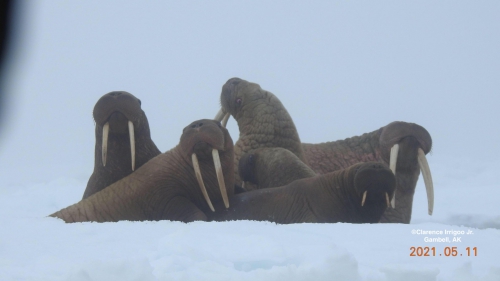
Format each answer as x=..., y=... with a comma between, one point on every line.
x=35, y=247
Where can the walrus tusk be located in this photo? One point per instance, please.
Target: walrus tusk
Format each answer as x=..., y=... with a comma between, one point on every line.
x=197, y=172
x=105, y=132
x=387, y=200
x=132, y=142
x=364, y=198
x=219, y=115
x=426, y=174
x=225, y=119
x=222, y=117
x=392, y=166
x=220, y=177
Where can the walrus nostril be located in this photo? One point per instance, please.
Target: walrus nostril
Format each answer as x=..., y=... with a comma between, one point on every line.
x=115, y=94
x=197, y=125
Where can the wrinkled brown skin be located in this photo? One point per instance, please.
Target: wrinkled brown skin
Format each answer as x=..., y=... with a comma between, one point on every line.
x=258, y=122
x=328, y=198
x=376, y=146
x=165, y=188
x=271, y=167
x=262, y=119
x=118, y=108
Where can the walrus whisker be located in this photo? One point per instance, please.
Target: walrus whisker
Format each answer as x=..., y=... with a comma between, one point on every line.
x=392, y=166
x=197, y=172
x=132, y=142
x=105, y=133
x=364, y=198
x=426, y=174
x=220, y=177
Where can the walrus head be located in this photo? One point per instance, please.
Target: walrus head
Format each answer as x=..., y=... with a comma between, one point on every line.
x=408, y=136
x=123, y=140
x=206, y=139
x=118, y=112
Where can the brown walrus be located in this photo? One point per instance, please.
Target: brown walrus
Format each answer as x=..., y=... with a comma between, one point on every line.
x=401, y=145
x=271, y=167
x=260, y=117
x=169, y=186
x=123, y=140
x=358, y=194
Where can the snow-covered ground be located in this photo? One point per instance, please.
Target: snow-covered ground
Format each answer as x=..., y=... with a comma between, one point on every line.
x=35, y=247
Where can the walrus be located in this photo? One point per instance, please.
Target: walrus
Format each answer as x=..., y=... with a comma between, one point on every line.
x=182, y=184
x=261, y=117
x=123, y=140
x=271, y=167
x=358, y=194
x=258, y=122
x=187, y=184
x=400, y=145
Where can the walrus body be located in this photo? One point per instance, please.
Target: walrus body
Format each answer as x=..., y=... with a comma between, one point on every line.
x=166, y=187
x=115, y=110
x=271, y=167
x=328, y=198
x=262, y=119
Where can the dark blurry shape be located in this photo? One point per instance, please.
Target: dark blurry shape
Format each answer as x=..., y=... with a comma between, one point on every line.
x=6, y=18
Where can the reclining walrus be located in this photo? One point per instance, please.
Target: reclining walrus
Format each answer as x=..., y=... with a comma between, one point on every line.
x=264, y=122
x=182, y=184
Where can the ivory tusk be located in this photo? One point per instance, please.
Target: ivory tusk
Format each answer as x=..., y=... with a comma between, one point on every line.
x=394, y=158
x=220, y=177
x=426, y=174
x=220, y=115
x=225, y=119
x=387, y=200
x=132, y=142
x=197, y=172
x=243, y=185
x=392, y=165
x=105, y=133
x=364, y=198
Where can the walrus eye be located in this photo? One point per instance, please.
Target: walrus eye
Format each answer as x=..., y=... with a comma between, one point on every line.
x=238, y=101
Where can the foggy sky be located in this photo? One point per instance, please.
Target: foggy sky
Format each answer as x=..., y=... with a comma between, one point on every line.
x=340, y=68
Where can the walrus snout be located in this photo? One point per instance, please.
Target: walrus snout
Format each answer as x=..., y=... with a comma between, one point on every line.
x=374, y=182
x=118, y=123
x=228, y=91
x=117, y=101
x=203, y=131
x=200, y=138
